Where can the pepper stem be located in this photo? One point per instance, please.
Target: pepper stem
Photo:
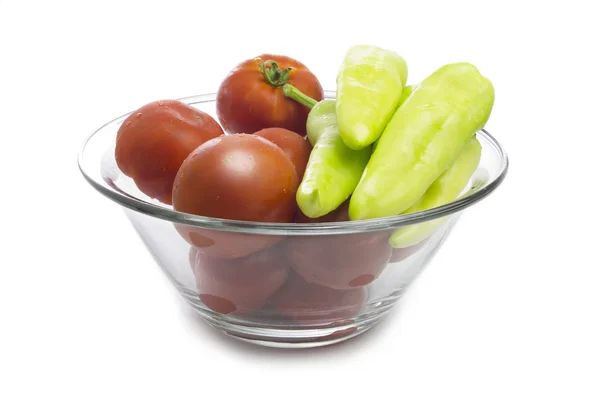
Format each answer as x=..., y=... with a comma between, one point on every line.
x=295, y=94
x=273, y=74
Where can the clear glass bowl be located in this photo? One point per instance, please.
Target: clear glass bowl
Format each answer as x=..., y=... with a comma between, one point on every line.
x=290, y=285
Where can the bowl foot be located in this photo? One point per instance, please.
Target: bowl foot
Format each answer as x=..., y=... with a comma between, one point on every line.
x=300, y=339
x=286, y=334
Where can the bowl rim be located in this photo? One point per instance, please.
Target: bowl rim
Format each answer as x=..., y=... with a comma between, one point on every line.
x=270, y=228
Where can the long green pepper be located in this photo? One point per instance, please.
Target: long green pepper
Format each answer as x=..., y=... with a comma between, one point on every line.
x=407, y=91
x=369, y=86
x=423, y=138
x=443, y=190
x=333, y=169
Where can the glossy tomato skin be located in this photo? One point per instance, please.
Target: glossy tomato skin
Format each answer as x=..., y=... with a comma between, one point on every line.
x=236, y=177
x=339, y=261
x=297, y=148
x=154, y=140
x=301, y=301
x=246, y=103
x=242, y=285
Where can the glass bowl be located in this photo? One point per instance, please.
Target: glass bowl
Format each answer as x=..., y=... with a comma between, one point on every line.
x=283, y=285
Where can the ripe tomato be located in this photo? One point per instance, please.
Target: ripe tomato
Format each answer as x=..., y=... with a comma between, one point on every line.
x=339, y=261
x=225, y=245
x=250, y=97
x=236, y=177
x=239, y=286
x=154, y=140
x=295, y=147
x=301, y=301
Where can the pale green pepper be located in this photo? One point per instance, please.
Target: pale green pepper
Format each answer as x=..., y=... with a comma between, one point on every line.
x=406, y=91
x=423, y=138
x=369, y=86
x=443, y=190
x=333, y=169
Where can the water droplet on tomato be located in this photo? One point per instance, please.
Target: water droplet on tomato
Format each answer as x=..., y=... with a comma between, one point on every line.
x=138, y=115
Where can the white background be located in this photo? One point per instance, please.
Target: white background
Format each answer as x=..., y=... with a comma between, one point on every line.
x=509, y=308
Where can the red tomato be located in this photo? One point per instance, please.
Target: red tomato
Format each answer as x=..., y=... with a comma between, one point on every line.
x=339, y=261
x=239, y=286
x=301, y=301
x=225, y=245
x=154, y=140
x=250, y=97
x=236, y=177
x=295, y=147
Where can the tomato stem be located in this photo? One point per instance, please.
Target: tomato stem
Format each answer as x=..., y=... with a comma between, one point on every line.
x=273, y=74
x=295, y=94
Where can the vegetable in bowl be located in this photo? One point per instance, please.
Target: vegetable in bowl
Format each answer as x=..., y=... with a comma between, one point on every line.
x=294, y=237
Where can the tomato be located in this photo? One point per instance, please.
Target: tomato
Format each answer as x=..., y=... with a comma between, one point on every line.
x=236, y=177
x=154, y=140
x=250, y=97
x=301, y=301
x=239, y=286
x=225, y=245
x=339, y=261
x=295, y=147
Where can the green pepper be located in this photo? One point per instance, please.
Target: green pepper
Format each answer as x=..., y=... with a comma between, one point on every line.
x=442, y=191
x=407, y=91
x=423, y=138
x=369, y=86
x=333, y=169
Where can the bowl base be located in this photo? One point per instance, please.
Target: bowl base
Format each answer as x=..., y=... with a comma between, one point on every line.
x=285, y=335
x=300, y=340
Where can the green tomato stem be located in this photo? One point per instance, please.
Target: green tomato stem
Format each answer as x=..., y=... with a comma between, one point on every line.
x=295, y=94
x=273, y=74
